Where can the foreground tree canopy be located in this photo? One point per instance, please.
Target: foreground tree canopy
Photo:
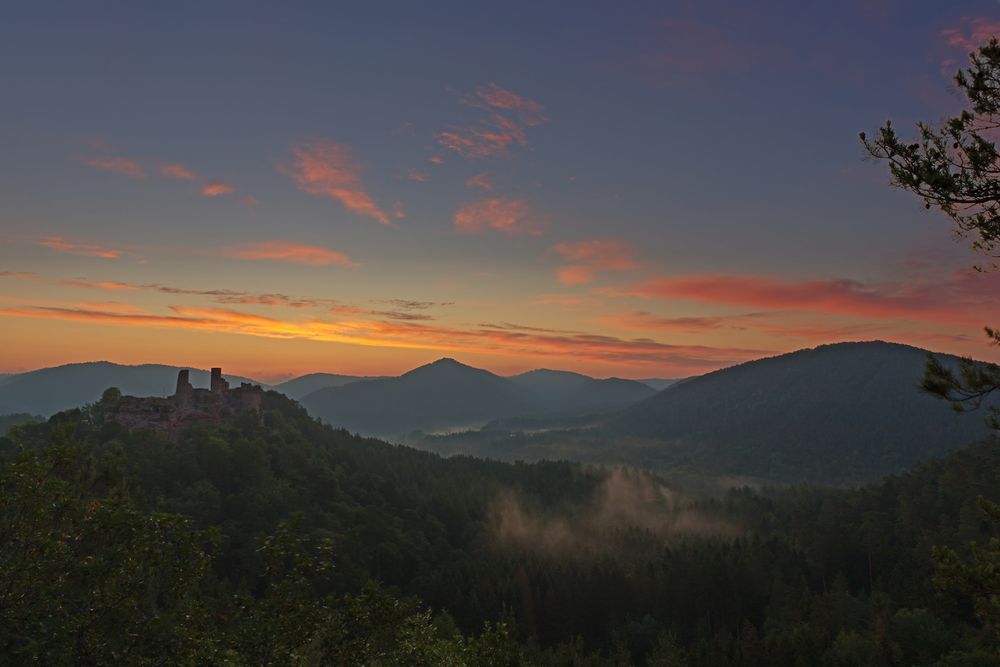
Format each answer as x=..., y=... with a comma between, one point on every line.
x=288, y=542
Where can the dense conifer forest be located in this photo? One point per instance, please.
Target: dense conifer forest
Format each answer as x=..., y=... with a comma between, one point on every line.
x=284, y=541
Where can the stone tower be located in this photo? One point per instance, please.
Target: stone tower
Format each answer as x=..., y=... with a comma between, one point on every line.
x=185, y=392
x=219, y=386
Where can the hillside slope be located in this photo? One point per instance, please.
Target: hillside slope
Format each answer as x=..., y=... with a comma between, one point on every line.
x=302, y=386
x=443, y=394
x=837, y=412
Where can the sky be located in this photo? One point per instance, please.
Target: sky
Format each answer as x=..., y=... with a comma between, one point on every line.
x=631, y=189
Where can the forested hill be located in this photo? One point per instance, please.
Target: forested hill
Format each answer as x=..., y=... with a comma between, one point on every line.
x=580, y=565
x=444, y=394
x=447, y=395
x=49, y=390
x=843, y=412
x=304, y=385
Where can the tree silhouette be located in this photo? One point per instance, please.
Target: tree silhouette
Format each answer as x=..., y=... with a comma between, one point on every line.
x=955, y=167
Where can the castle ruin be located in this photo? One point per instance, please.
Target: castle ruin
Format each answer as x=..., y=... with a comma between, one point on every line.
x=188, y=405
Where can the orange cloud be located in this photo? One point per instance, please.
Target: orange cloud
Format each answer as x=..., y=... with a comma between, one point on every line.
x=825, y=330
x=511, y=216
x=494, y=339
x=575, y=275
x=961, y=299
x=591, y=256
x=216, y=189
x=178, y=171
x=494, y=133
x=326, y=169
x=106, y=285
x=286, y=251
x=564, y=301
x=118, y=165
x=85, y=249
x=529, y=111
x=476, y=142
x=417, y=175
x=483, y=181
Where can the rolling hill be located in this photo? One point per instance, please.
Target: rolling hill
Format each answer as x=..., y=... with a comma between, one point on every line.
x=447, y=395
x=441, y=395
x=565, y=392
x=50, y=390
x=849, y=411
x=302, y=386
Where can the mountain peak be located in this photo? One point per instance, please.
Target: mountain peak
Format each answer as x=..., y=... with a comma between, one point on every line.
x=447, y=361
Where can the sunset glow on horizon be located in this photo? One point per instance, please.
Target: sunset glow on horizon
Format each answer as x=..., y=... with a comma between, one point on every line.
x=657, y=191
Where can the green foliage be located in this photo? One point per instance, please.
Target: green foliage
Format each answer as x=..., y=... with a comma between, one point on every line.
x=87, y=578
x=258, y=542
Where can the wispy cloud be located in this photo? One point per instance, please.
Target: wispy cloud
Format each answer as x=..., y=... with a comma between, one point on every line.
x=326, y=169
x=178, y=171
x=399, y=309
x=824, y=329
x=417, y=175
x=963, y=298
x=511, y=216
x=482, y=181
x=591, y=257
x=505, y=115
x=60, y=244
x=528, y=111
x=971, y=33
x=287, y=251
x=380, y=333
x=216, y=189
x=118, y=165
x=172, y=170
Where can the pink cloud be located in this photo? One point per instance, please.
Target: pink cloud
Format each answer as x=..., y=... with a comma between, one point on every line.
x=118, y=165
x=511, y=216
x=971, y=34
x=417, y=175
x=495, y=132
x=960, y=299
x=60, y=244
x=528, y=110
x=575, y=275
x=483, y=181
x=592, y=256
x=326, y=169
x=286, y=251
x=216, y=189
x=485, y=140
x=178, y=171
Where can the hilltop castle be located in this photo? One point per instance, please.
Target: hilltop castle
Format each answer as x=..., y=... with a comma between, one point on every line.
x=188, y=405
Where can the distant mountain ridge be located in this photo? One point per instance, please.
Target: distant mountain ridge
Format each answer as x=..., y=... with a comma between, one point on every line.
x=564, y=391
x=448, y=395
x=50, y=390
x=442, y=394
x=304, y=385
